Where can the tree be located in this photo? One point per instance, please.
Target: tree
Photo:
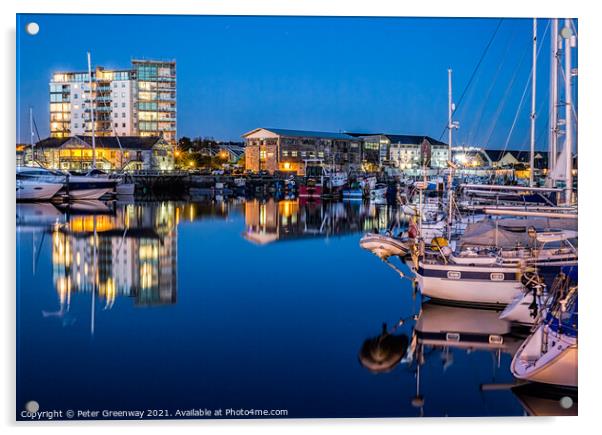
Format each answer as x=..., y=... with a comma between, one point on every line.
x=184, y=143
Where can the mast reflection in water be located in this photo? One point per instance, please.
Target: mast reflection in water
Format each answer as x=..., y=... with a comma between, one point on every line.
x=257, y=304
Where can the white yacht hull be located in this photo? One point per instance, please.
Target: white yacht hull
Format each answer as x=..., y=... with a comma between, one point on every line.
x=36, y=191
x=558, y=366
x=519, y=310
x=89, y=187
x=453, y=283
x=88, y=193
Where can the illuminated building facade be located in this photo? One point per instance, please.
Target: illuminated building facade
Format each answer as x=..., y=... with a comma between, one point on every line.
x=276, y=149
x=402, y=151
x=140, y=101
x=126, y=153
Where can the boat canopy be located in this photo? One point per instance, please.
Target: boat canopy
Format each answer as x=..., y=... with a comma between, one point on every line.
x=509, y=233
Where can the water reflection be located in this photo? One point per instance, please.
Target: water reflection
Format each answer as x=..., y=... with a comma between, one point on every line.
x=267, y=221
x=131, y=253
x=440, y=335
x=115, y=258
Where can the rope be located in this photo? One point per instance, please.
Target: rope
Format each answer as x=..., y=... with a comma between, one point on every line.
x=481, y=111
x=474, y=71
x=524, y=93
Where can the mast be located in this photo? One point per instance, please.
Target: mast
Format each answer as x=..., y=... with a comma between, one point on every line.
x=92, y=113
x=567, y=34
x=533, y=89
x=553, y=132
x=450, y=127
x=33, y=157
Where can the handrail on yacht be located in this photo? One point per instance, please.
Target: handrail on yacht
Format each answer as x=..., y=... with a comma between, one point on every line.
x=498, y=212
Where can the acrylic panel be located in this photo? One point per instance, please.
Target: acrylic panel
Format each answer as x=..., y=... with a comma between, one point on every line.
x=295, y=217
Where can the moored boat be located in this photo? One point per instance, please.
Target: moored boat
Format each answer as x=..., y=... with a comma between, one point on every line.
x=549, y=354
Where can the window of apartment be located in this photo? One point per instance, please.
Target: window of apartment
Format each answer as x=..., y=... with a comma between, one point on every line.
x=123, y=115
x=124, y=125
x=116, y=125
x=116, y=105
x=76, y=125
x=123, y=95
x=123, y=85
x=294, y=153
x=76, y=115
x=115, y=84
x=75, y=96
x=303, y=153
x=122, y=104
x=284, y=153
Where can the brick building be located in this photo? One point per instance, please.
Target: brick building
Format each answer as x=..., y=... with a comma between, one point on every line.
x=276, y=149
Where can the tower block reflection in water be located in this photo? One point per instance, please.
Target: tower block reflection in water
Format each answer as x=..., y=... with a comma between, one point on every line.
x=270, y=220
x=132, y=253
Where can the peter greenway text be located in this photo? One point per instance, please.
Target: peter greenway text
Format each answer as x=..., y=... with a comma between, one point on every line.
x=152, y=413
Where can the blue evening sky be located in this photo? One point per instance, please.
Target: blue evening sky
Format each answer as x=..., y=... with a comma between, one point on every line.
x=316, y=73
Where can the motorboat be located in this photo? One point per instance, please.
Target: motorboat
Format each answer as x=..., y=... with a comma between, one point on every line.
x=91, y=185
x=37, y=183
x=29, y=190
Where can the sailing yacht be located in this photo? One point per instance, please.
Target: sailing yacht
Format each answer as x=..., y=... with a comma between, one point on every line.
x=489, y=260
x=549, y=354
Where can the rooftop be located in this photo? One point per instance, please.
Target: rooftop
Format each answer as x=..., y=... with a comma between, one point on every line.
x=303, y=133
x=127, y=142
x=408, y=139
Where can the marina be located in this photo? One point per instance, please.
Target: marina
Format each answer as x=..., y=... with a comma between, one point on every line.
x=126, y=307
x=350, y=273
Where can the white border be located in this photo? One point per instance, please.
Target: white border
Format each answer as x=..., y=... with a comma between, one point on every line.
x=590, y=213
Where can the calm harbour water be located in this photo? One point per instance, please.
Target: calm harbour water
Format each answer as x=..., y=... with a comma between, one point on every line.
x=233, y=304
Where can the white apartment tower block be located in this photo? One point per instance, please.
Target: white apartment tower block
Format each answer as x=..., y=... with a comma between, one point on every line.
x=140, y=101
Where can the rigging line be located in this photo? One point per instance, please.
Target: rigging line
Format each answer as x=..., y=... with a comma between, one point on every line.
x=506, y=94
x=35, y=126
x=522, y=98
x=474, y=134
x=474, y=72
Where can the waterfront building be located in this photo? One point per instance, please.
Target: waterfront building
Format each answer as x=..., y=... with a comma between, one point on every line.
x=402, y=151
x=138, y=101
x=276, y=149
x=471, y=157
x=127, y=153
x=21, y=152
